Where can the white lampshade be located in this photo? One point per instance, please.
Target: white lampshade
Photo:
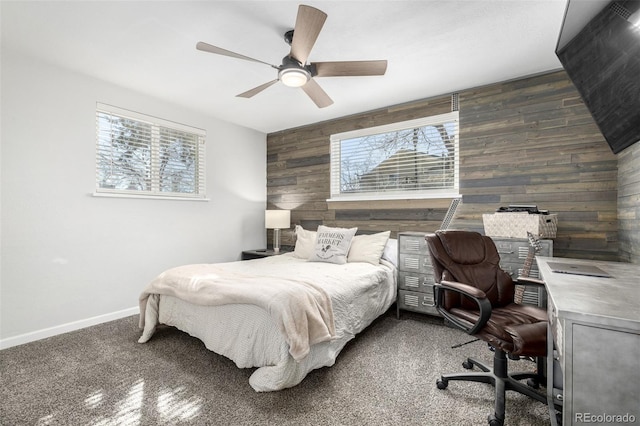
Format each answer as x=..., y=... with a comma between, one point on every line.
x=277, y=219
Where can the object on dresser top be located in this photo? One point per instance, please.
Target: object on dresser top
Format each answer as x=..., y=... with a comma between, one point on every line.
x=517, y=224
x=521, y=208
x=451, y=212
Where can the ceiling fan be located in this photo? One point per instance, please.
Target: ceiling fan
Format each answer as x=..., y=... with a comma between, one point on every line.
x=294, y=71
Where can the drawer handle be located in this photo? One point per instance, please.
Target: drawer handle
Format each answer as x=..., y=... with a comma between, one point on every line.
x=506, y=252
x=431, y=305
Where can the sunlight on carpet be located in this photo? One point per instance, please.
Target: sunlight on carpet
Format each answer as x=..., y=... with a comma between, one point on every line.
x=173, y=405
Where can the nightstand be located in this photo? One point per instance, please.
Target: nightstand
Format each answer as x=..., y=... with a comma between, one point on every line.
x=257, y=254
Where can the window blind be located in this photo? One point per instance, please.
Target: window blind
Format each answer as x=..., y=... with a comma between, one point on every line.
x=142, y=155
x=408, y=159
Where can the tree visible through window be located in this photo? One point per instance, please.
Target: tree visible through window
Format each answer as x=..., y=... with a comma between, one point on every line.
x=409, y=159
x=144, y=155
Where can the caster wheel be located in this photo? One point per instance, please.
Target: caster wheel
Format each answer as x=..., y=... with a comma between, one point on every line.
x=533, y=383
x=494, y=421
x=467, y=365
x=442, y=383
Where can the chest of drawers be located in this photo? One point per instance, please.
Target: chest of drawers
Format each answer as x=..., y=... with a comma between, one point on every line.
x=415, y=274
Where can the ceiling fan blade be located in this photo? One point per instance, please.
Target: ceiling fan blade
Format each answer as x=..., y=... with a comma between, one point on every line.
x=205, y=47
x=256, y=90
x=309, y=22
x=350, y=68
x=317, y=95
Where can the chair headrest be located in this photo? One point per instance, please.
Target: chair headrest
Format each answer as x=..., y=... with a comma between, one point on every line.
x=463, y=247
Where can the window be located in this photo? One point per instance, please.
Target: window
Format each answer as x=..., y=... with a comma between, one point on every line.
x=411, y=159
x=147, y=156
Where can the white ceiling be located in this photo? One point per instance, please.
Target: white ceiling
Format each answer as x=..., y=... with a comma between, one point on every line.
x=432, y=47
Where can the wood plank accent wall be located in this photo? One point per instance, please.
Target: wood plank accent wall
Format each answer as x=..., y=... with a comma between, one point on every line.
x=629, y=203
x=533, y=141
x=527, y=141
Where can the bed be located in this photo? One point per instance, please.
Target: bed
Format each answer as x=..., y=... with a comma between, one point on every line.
x=286, y=315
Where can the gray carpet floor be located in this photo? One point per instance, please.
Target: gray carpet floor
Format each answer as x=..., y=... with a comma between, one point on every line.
x=386, y=376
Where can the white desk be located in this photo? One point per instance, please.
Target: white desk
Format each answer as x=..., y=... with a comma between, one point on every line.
x=595, y=324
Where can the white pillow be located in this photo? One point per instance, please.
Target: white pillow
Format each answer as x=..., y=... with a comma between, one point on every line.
x=305, y=242
x=368, y=248
x=390, y=252
x=332, y=244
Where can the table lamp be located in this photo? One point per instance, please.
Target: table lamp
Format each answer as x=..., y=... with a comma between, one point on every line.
x=277, y=220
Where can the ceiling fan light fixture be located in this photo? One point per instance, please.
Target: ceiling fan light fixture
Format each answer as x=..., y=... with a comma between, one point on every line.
x=294, y=77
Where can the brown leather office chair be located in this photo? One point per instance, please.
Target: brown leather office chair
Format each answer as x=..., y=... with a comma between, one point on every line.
x=474, y=294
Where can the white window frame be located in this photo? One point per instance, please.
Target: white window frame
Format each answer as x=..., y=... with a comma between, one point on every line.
x=155, y=123
x=337, y=195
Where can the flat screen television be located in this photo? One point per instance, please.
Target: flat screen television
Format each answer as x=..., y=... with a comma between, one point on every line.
x=603, y=62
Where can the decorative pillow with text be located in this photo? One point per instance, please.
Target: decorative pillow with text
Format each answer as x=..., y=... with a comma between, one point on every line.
x=332, y=244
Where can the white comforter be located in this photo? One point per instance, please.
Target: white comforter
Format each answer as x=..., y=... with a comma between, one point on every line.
x=301, y=309
x=248, y=334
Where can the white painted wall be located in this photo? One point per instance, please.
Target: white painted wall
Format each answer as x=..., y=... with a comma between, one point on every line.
x=69, y=259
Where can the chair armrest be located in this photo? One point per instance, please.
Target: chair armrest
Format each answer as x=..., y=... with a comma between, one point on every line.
x=475, y=294
x=464, y=289
x=529, y=281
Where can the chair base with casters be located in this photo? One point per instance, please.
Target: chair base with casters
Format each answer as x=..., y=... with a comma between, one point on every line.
x=501, y=379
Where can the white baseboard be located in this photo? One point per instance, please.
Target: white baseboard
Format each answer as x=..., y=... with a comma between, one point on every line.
x=65, y=328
